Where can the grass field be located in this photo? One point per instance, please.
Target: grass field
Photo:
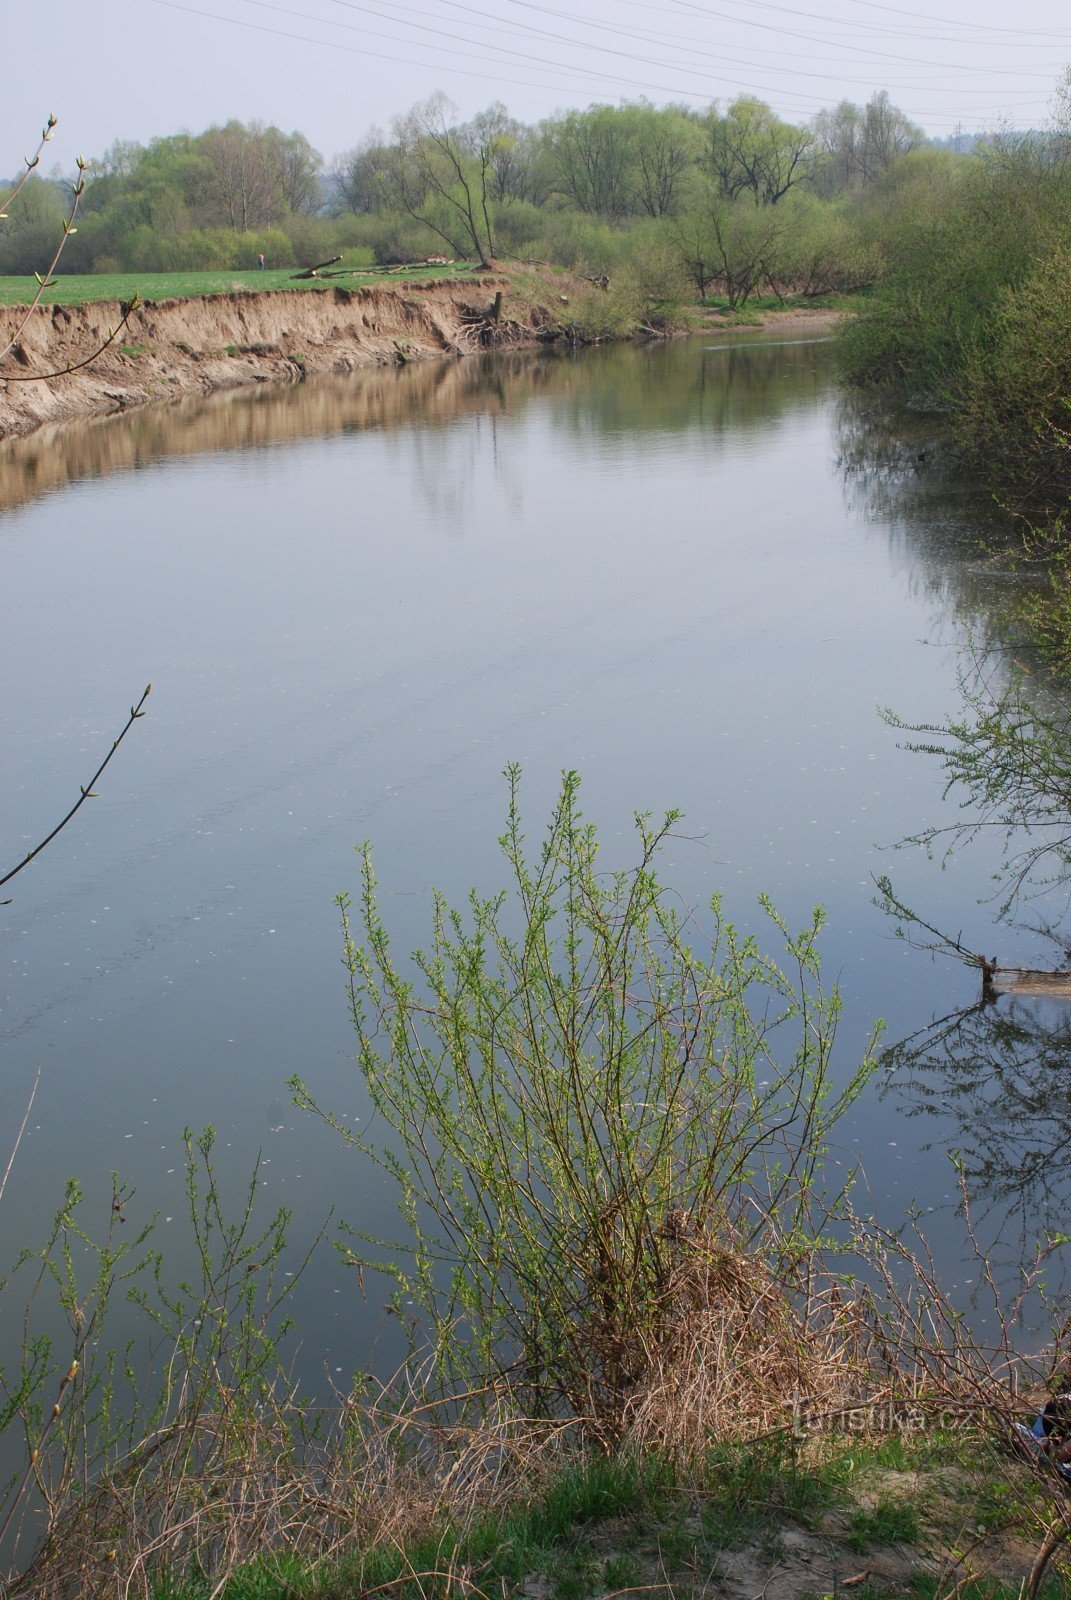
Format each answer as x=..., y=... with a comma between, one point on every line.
x=77, y=290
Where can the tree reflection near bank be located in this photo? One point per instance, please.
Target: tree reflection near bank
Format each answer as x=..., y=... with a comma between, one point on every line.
x=996, y=1079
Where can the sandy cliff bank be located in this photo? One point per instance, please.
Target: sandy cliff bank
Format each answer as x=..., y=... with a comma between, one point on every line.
x=171, y=348
x=175, y=347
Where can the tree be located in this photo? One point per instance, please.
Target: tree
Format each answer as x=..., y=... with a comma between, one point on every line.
x=362, y=176
x=750, y=150
x=299, y=167
x=665, y=147
x=32, y=228
x=439, y=174
x=858, y=144
x=515, y=168
x=821, y=250
x=732, y=244
x=245, y=183
x=589, y=155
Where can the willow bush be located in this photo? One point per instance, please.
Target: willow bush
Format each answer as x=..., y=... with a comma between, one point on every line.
x=578, y=1089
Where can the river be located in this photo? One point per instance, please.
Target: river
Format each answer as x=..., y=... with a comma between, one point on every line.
x=668, y=567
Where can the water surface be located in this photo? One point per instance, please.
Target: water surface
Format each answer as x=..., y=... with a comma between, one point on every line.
x=357, y=600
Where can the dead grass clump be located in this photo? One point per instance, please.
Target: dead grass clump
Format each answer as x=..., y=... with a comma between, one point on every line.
x=743, y=1347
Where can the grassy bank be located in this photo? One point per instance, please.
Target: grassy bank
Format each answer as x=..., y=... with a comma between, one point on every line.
x=899, y=1514
x=86, y=288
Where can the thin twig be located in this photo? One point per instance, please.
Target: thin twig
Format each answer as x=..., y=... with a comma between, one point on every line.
x=87, y=792
x=18, y=1137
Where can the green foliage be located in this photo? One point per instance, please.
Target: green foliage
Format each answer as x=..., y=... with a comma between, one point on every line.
x=751, y=152
x=581, y=1092
x=1014, y=414
x=973, y=318
x=750, y=1485
x=821, y=252
x=960, y=240
x=567, y=191
x=29, y=235
x=90, y=1422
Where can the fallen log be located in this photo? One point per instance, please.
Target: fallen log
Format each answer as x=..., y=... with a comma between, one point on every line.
x=1023, y=981
x=310, y=272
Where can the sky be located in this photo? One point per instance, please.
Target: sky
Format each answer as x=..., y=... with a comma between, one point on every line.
x=135, y=69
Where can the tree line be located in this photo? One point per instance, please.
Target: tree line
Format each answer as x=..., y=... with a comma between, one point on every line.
x=693, y=190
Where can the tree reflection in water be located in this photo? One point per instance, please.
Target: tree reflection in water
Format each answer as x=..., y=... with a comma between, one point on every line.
x=994, y=1078
x=998, y=1076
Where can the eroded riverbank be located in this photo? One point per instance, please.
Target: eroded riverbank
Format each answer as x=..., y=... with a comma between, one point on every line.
x=180, y=347
x=173, y=348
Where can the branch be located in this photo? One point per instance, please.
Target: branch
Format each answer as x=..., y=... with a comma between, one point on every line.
x=48, y=281
x=86, y=794
x=75, y=366
x=18, y=1137
x=30, y=163
x=948, y=944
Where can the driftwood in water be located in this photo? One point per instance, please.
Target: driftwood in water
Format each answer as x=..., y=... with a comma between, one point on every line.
x=996, y=980
x=310, y=272
x=1023, y=981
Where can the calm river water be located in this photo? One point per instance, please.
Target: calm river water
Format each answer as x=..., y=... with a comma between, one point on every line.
x=671, y=568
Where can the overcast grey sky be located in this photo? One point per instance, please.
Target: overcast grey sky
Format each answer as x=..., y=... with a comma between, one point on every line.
x=132, y=69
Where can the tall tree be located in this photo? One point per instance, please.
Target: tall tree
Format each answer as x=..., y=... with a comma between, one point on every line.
x=362, y=175
x=299, y=167
x=439, y=176
x=244, y=184
x=589, y=153
x=751, y=151
x=665, y=148
x=858, y=144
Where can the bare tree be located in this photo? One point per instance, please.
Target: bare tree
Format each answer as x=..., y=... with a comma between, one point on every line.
x=362, y=176
x=859, y=143
x=299, y=168
x=440, y=175
x=257, y=174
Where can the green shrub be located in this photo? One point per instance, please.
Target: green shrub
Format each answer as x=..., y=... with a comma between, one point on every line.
x=1014, y=414
x=588, y=1100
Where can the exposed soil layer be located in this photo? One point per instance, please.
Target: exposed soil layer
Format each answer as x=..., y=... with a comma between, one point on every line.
x=170, y=348
x=174, y=347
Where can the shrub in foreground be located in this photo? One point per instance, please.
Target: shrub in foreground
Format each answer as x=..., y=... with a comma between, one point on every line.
x=608, y=1127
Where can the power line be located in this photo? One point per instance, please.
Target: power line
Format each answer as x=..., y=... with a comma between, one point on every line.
x=459, y=5
x=536, y=64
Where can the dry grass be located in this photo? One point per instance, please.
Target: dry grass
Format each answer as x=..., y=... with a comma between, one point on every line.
x=214, y=1492
x=741, y=1356
x=741, y=1349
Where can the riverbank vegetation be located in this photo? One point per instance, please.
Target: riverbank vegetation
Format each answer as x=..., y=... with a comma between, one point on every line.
x=731, y=199
x=971, y=323
x=964, y=342
x=641, y=1309
x=641, y=1304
